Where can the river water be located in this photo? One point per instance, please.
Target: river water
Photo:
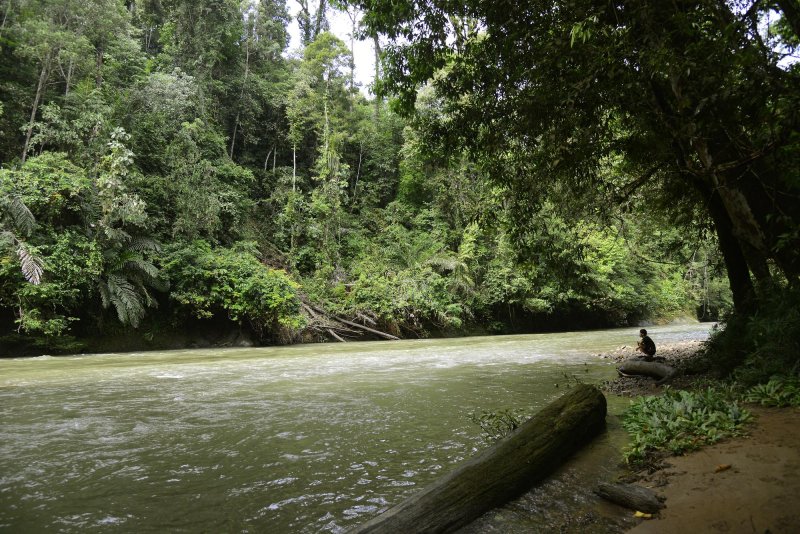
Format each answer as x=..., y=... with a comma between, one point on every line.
x=312, y=438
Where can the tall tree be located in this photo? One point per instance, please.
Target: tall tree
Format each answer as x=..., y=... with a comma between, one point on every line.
x=312, y=20
x=688, y=92
x=265, y=39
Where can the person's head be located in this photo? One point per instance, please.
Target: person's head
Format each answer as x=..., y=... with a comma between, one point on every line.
x=642, y=332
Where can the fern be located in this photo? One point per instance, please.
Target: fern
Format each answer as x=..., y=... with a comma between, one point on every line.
x=105, y=294
x=141, y=267
x=7, y=238
x=444, y=262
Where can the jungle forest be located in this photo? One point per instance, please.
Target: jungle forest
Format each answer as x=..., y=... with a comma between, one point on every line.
x=173, y=174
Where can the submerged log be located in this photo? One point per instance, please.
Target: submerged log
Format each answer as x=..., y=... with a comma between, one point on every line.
x=630, y=496
x=658, y=370
x=504, y=471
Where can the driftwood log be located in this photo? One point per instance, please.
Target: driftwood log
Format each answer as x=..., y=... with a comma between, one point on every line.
x=657, y=370
x=338, y=327
x=504, y=471
x=630, y=496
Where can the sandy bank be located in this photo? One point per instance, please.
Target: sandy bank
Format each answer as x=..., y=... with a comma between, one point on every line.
x=743, y=485
x=749, y=484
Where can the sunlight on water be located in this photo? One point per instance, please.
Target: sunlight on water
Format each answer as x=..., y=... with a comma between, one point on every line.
x=314, y=438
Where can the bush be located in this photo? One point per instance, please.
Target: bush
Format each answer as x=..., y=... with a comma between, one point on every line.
x=763, y=345
x=233, y=283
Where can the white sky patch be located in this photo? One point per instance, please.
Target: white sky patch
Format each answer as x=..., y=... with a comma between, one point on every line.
x=341, y=27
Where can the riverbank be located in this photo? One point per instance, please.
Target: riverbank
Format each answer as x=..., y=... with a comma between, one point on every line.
x=678, y=355
x=744, y=484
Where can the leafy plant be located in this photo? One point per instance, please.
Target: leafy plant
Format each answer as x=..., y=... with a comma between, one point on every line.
x=680, y=421
x=17, y=222
x=778, y=392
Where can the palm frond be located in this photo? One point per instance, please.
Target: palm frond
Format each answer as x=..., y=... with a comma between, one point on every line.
x=32, y=265
x=22, y=218
x=126, y=300
x=144, y=244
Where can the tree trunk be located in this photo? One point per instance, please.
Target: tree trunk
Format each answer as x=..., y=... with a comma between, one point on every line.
x=502, y=472
x=353, y=20
x=266, y=160
x=5, y=16
x=320, y=17
x=39, y=90
x=735, y=263
x=294, y=168
x=376, y=42
x=791, y=10
x=630, y=496
x=70, y=70
x=654, y=369
x=358, y=173
x=98, y=60
x=241, y=95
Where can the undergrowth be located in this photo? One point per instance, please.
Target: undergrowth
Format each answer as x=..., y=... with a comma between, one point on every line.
x=780, y=391
x=752, y=349
x=680, y=421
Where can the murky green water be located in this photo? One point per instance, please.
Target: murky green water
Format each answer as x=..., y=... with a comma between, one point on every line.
x=314, y=438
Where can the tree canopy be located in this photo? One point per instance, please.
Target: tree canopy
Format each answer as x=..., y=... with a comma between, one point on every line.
x=170, y=169
x=692, y=103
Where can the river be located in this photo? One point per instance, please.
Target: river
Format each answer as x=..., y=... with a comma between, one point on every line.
x=310, y=438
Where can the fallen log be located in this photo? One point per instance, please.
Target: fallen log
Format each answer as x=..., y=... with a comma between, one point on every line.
x=366, y=328
x=657, y=370
x=333, y=324
x=354, y=325
x=630, y=496
x=336, y=336
x=504, y=471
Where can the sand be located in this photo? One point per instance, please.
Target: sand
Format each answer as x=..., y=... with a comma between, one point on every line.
x=749, y=484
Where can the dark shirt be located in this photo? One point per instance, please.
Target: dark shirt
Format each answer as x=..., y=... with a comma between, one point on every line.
x=647, y=345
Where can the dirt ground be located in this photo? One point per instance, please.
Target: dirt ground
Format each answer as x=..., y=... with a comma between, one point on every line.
x=748, y=484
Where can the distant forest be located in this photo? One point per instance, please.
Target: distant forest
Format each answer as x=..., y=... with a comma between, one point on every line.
x=173, y=175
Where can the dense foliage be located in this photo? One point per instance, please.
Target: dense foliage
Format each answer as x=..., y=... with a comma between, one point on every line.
x=780, y=391
x=171, y=167
x=683, y=111
x=680, y=421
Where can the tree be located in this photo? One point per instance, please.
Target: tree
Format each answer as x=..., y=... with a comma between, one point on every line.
x=312, y=21
x=265, y=39
x=44, y=39
x=127, y=274
x=688, y=93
